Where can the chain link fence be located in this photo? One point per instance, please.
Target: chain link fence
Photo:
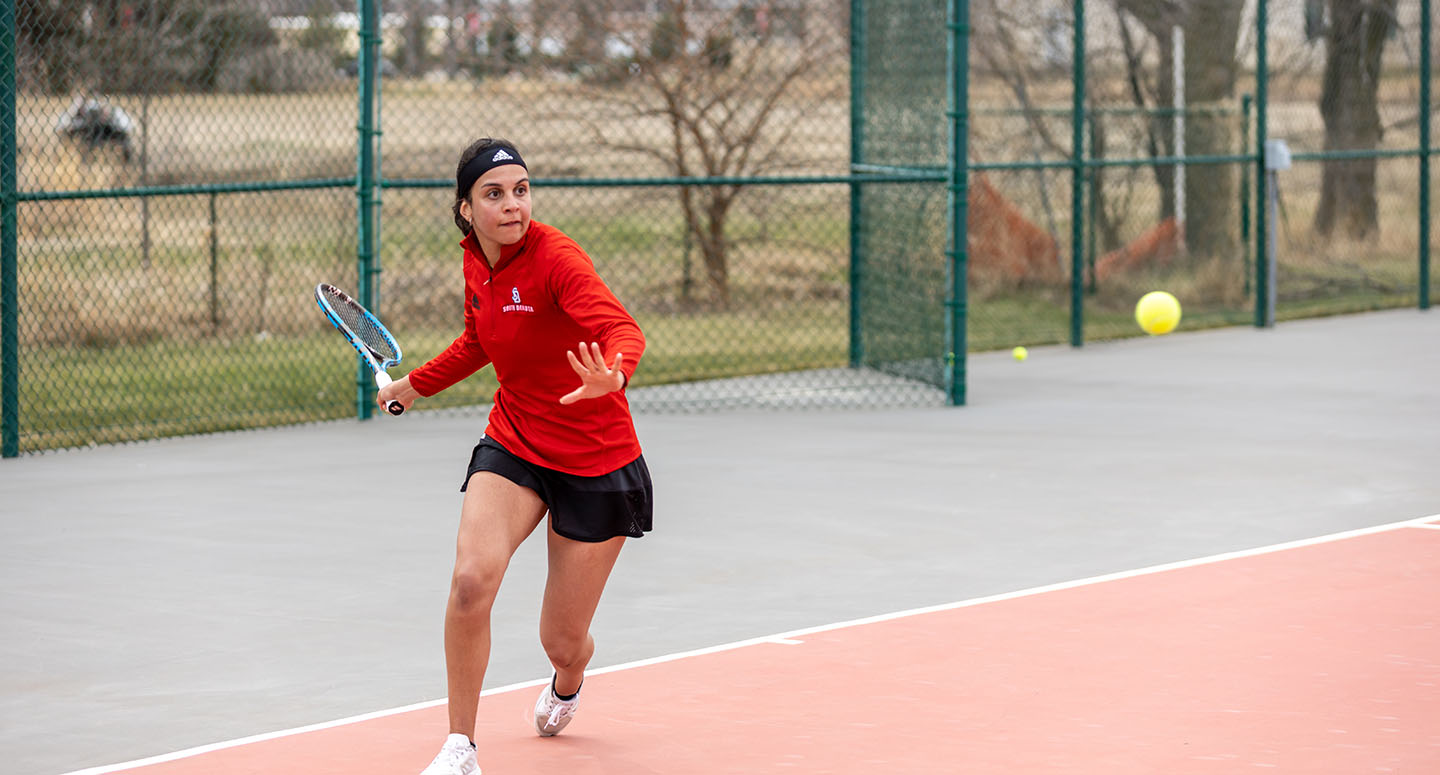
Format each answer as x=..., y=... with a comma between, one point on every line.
x=1170, y=192
x=185, y=176
x=1345, y=92
x=902, y=267
x=767, y=184
x=616, y=106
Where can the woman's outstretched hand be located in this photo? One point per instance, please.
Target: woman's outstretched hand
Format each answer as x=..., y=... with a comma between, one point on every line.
x=596, y=379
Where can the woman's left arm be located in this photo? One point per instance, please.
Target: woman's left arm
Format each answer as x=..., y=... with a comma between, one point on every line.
x=591, y=304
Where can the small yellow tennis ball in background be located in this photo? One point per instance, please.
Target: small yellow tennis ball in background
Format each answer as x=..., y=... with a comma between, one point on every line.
x=1157, y=313
x=1020, y=353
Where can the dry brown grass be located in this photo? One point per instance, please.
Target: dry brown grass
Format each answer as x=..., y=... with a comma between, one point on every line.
x=97, y=303
x=273, y=247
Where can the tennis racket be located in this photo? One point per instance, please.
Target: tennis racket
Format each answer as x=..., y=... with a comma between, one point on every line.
x=364, y=332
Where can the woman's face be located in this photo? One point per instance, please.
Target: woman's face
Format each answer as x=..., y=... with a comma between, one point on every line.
x=499, y=205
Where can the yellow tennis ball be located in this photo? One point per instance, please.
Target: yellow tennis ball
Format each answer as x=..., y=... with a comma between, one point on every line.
x=1157, y=313
x=1020, y=353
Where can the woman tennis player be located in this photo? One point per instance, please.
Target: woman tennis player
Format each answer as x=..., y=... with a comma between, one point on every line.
x=560, y=438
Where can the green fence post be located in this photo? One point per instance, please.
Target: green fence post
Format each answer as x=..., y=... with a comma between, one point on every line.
x=1246, y=101
x=365, y=190
x=1092, y=196
x=1077, y=182
x=857, y=156
x=1262, y=224
x=959, y=184
x=9, y=243
x=1425, y=75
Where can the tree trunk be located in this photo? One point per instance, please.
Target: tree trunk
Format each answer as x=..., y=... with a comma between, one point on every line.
x=1348, y=105
x=1109, y=235
x=1162, y=126
x=1212, y=32
x=713, y=245
x=712, y=249
x=1164, y=179
x=705, y=222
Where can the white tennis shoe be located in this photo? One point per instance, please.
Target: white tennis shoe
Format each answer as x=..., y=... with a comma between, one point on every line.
x=553, y=713
x=456, y=757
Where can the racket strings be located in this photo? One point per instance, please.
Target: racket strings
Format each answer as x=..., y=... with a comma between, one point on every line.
x=362, y=326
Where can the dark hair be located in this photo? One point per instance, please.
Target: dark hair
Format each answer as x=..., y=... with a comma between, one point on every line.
x=470, y=152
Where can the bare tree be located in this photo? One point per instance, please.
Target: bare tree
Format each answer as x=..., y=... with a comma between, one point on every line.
x=50, y=35
x=1212, y=29
x=1136, y=84
x=1354, y=42
x=1006, y=58
x=149, y=45
x=721, y=81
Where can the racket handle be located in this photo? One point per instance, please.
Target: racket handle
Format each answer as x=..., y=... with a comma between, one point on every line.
x=393, y=407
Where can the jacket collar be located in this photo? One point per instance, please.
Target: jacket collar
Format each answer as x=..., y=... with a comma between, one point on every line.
x=508, y=253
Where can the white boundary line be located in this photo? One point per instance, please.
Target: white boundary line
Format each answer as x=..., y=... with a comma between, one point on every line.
x=792, y=637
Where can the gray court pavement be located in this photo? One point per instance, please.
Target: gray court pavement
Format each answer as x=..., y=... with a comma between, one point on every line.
x=169, y=594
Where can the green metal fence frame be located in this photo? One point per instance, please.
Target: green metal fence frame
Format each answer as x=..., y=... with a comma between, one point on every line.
x=367, y=132
x=957, y=302
x=959, y=169
x=857, y=151
x=9, y=243
x=1262, y=132
x=1426, y=150
x=1077, y=179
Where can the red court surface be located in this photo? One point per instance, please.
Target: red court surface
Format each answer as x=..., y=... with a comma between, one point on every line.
x=1317, y=657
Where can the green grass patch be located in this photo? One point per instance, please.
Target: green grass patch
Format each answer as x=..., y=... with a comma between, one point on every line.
x=71, y=396
x=131, y=392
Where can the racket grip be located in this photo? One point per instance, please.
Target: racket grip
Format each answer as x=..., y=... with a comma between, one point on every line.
x=381, y=380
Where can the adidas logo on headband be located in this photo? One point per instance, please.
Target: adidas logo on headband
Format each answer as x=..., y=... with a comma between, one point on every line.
x=481, y=164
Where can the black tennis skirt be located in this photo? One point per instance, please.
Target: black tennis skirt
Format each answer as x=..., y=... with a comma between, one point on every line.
x=582, y=508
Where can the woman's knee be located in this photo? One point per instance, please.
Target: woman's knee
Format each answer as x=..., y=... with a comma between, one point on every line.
x=566, y=647
x=473, y=587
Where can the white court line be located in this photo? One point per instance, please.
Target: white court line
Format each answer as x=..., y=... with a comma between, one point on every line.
x=1429, y=526
x=788, y=638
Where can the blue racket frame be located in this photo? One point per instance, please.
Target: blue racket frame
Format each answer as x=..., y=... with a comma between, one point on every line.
x=378, y=363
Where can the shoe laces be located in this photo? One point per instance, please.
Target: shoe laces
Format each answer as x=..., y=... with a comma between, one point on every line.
x=559, y=709
x=454, y=754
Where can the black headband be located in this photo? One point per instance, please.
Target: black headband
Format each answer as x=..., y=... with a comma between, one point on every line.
x=489, y=159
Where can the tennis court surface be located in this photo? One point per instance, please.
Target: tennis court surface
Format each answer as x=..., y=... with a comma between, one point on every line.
x=1307, y=658
x=1206, y=552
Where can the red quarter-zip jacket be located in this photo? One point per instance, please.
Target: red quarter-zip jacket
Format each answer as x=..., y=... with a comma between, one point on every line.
x=541, y=298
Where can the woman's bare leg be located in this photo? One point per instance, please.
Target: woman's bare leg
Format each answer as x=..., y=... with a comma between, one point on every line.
x=578, y=572
x=495, y=518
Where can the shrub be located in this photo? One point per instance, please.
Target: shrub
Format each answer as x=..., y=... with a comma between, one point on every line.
x=277, y=70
